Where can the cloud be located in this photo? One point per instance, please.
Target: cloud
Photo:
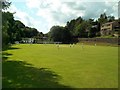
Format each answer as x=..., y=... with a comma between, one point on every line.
x=20, y=15
x=61, y=11
x=94, y=9
x=26, y=19
x=58, y=12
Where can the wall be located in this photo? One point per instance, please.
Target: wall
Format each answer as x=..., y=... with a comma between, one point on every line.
x=102, y=40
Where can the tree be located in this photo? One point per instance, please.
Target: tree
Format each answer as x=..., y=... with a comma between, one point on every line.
x=103, y=18
x=40, y=35
x=82, y=29
x=59, y=34
x=7, y=28
x=111, y=18
x=5, y=36
x=92, y=32
x=70, y=26
x=18, y=30
x=93, y=28
x=5, y=4
x=6, y=18
x=30, y=32
x=14, y=30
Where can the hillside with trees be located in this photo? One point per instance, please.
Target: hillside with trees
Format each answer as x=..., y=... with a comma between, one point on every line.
x=14, y=30
x=80, y=28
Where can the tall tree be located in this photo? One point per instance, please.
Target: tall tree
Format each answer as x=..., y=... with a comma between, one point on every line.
x=82, y=29
x=111, y=18
x=59, y=34
x=18, y=30
x=103, y=18
x=70, y=26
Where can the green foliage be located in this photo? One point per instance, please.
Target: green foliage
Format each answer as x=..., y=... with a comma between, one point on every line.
x=111, y=18
x=15, y=30
x=30, y=32
x=59, y=34
x=39, y=35
x=11, y=28
x=103, y=18
x=5, y=38
x=73, y=25
x=7, y=23
x=80, y=28
x=92, y=32
x=18, y=30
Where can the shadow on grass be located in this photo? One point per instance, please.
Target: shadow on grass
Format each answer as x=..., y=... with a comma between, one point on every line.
x=9, y=47
x=19, y=74
x=5, y=55
x=12, y=48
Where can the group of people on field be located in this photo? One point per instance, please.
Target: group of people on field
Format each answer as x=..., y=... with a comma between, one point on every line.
x=72, y=45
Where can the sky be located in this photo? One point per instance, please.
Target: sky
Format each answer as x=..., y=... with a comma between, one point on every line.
x=43, y=14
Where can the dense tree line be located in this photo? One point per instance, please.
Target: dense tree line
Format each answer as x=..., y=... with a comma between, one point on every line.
x=79, y=28
x=14, y=30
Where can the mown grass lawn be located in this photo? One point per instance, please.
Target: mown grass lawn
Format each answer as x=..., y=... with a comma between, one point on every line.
x=46, y=66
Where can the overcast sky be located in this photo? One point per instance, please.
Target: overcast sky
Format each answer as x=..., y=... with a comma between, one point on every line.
x=43, y=14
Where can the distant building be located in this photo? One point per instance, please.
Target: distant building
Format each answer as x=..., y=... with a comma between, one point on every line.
x=27, y=40
x=110, y=28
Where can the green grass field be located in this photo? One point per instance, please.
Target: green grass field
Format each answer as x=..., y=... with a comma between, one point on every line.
x=46, y=66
